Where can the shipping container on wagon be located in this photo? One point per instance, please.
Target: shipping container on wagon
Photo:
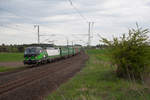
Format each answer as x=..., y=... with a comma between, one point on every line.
x=53, y=51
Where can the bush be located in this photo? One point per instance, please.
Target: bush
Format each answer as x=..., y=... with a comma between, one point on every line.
x=130, y=53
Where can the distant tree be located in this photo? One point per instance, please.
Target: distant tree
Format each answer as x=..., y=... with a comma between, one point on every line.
x=3, y=45
x=4, y=49
x=20, y=49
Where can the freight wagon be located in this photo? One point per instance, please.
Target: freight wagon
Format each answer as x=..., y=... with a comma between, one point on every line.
x=39, y=55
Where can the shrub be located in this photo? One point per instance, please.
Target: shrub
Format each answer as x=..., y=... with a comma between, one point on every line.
x=130, y=53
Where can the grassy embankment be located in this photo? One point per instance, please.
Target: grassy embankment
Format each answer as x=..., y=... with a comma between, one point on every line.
x=97, y=81
x=6, y=68
x=10, y=57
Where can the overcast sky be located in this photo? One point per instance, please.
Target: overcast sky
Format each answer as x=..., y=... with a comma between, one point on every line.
x=111, y=18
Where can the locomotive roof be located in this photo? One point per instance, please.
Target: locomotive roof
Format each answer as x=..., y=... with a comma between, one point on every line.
x=34, y=47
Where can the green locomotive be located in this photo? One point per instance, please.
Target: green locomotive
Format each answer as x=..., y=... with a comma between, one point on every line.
x=39, y=55
x=34, y=55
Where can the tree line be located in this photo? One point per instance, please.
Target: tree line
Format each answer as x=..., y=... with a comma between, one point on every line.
x=20, y=48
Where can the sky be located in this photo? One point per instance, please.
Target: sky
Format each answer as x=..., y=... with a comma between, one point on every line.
x=59, y=21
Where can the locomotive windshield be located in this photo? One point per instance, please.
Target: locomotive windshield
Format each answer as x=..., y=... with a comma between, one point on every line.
x=32, y=51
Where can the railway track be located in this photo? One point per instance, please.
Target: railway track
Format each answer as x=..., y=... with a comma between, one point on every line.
x=11, y=85
x=38, y=82
x=14, y=71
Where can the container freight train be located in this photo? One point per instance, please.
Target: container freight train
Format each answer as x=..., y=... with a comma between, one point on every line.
x=38, y=55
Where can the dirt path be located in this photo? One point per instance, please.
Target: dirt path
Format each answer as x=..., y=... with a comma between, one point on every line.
x=11, y=64
x=59, y=72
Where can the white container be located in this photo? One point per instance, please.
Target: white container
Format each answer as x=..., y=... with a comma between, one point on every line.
x=53, y=51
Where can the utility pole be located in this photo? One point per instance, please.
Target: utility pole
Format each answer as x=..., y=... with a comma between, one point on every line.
x=38, y=32
x=68, y=45
x=91, y=24
x=92, y=27
x=38, y=35
x=72, y=48
x=67, y=42
x=72, y=43
x=89, y=34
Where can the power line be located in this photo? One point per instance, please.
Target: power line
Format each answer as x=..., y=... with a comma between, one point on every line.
x=20, y=16
x=90, y=24
x=14, y=28
x=82, y=16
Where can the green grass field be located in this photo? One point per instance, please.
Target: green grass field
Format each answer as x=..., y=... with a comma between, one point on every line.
x=97, y=81
x=6, y=69
x=7, y=57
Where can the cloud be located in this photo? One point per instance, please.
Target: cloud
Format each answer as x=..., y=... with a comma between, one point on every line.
x=111, y=17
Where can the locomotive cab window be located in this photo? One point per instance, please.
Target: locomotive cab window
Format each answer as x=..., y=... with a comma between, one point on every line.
x=33, y=50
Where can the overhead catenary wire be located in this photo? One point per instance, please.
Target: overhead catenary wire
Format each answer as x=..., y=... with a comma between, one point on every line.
x=91, y=23
x=81, y=15
x=20, y=16
x=14, y=28
x=85, y=18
